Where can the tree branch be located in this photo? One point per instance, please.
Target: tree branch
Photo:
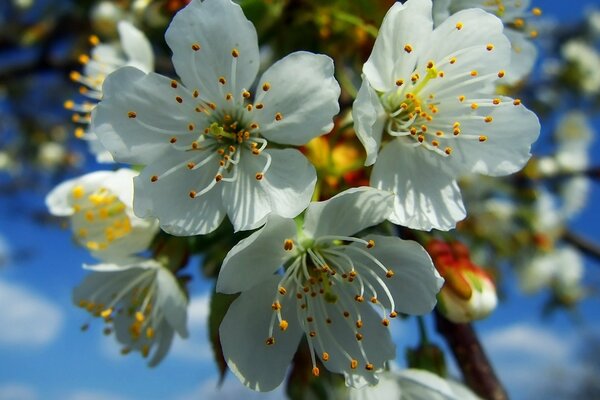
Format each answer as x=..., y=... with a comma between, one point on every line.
x=585, y=245
x=477, y=371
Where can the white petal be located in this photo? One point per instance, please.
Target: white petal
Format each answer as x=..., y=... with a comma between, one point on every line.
x=173, y=302
x=257, y=257
x=369, y=118
x=304, y=91
x=289, y=183
x=404, y=24
x=440, y=11
x=338, y=339
x=523, y=56
x=60, y=201
x=348, y=212
x=168, y=197
x=144, y=136
x=426, y=197
x=163, y=344
x=507, y=148
x=245, y=329
x=136, y=46
x=217, y=27
x=419, y=384
x=415, y=282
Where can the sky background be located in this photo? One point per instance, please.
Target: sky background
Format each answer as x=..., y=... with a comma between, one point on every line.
x=44, y=355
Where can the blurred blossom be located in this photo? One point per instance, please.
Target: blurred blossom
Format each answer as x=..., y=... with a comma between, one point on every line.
x=593, y=21
x=573, y=135
x=585, y=61
x=105, y=16
x=133, y=49
x=52, y=155
x=99, y=206
x=469, y=292
x=138, y=299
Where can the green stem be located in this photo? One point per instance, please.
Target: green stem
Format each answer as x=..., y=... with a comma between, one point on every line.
x=357, y=21
x=422, y=331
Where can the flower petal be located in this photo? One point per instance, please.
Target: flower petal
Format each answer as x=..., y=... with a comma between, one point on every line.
x=426, y=197
x=246, y=327
x=523, y=56
x=136, y=46
x=60, y=199
x=301, y=100
x=257, y=257
x=415, y=282
x=203, y=36
x=167, y=197
x=348, y=212
x=404, y=24
x=369, y=118
x=173, y=302
x=141, y=113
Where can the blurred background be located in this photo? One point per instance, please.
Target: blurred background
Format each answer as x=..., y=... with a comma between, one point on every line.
x=544, y=341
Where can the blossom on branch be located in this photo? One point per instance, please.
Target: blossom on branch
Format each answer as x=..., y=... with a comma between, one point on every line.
x=204, y=142
x=432, y=92
x=99, y=207
x=140, y=301
x=319, y=281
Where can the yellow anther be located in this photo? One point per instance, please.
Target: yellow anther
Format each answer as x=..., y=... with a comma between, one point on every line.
x=393, y=314
x=79, y=133
x=359, y=336
x=533, y=34
x=369, y=367
x=270, y=341
x=266, y=86
x=235, y=53
x=359, y=298
x=75, y=76
x=94, y=40
x=473, y=73
x=278, y=116
x=139, y=316
x=359, y=324
x=174, y=84
x=195, y=93
x=408, y=48
x=276, y=306
x=222, y=80
x=78, y=192
x=459, y=25
x=325, y=356
x=496, y=101
x=154, y=178
x=435, y=143
x=501, y=73
x=441, y=74
x=353, y=364
x=106, y=313
x=489, y=47
x=536, y=11
x=399, y=82
x=452, y=60
x=488, y=119
x=430, y=64
x=519, y=22
x=145, y=350
x=149, y=332
x=461, y=98
x=282, y=291
x=315, y=371
x=259, y=176
x=179, y=99
x=283, y=325
x=312, y=334
x=516, y=102
x=439, y=133
x=448, y=150
x=385, y=322
x=288, y=244
x=218, y=177
x=131, y=114
x=195, y=47
x=474, y=106
x=370, y=244
x=482, y=138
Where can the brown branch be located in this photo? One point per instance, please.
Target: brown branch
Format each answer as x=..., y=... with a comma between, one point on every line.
x=587, y=246
x=477, y=371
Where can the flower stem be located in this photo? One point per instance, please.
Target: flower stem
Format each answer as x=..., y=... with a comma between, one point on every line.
x=470, y=356
x=357, y=21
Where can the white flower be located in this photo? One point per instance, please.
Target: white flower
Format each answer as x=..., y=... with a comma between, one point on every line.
x=339, y=291
x=99, y=206
x=140, y=301
x=432, y=92
x=573, y=135
x=413, y=384
x=133, y=49
x=514, y=14
x=586, y=61
x=204, y=142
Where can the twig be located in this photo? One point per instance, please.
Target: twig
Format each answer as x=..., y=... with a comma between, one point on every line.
x=587, y=246
x=477, y=371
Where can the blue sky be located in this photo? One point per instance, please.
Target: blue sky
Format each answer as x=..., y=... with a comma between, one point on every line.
x=44, y=355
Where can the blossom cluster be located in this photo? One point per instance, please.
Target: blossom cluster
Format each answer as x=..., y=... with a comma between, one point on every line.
x=225, y=140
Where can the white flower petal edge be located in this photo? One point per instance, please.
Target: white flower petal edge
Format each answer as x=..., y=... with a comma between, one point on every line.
x=138, y=299
x=204, y=145
x=331, y=287
x=443, y=118
x=348, y=212
x=136, y=46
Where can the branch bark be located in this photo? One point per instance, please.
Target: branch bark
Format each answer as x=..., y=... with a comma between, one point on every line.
x=583, y=244
x=477, y=370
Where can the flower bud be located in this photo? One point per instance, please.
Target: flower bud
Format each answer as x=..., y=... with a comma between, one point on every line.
x=469, y=292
